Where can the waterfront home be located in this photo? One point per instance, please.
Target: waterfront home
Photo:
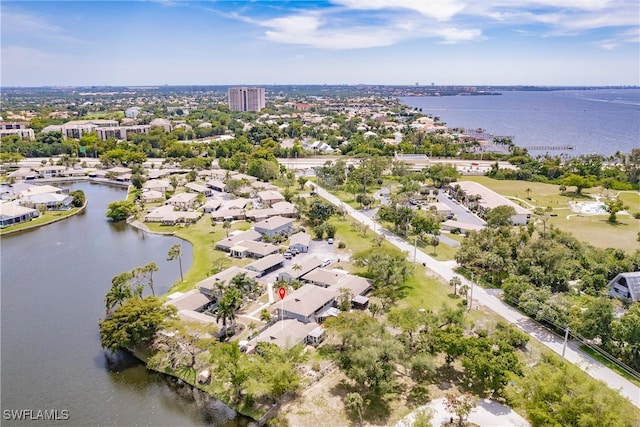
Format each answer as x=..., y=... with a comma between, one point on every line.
x=302, y=267
x=168, y=215
x=183, y=200
x=26, y=174
x=288, y=333
x=307, y=304
x=213, y=285
x=217, y=185
x=626, y=286
x=51, y=171
x=162, y=185
x=193, y=300
x=31, y=190
x=227, y=243
x=266, y=265
x=274, y=225
x=300, y=242
x=152, y=196
x=50, y=201
x=11, y=213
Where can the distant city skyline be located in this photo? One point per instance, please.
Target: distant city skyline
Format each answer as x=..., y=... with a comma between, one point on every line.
x=258, y=43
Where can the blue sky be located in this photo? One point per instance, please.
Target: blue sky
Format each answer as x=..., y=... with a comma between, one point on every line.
x=177, y=42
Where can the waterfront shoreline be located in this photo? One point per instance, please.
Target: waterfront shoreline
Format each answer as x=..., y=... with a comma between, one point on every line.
x=52, y=221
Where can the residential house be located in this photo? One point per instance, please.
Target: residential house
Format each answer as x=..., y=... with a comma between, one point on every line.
x=626, y=286
x=300, y=241
x=266, y=265
x=217, y=185
x=23, y=174
x=206, y=191
x=299, y=268
x=13, y=214
x=307, y=304
x=50, y=201
x=269, y=197
x=152, y=196
x=162, y=185
x=32, y=190
x=193, y=300
x=51, y=171
x=274, y=225
x=223, y=214
x=213, y=285
x=211, y=205
x=252, y=249
x=227, y=243
x=168, y=215
x=183, y=200
x=289, y=333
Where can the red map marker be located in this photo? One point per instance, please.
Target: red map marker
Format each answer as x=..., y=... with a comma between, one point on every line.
x=282, y=292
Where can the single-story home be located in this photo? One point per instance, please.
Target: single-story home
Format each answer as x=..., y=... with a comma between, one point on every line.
x=323, y=277
x=487, y=199
x=227, y=243
x=212, y=284
x=440, y=208
x=305, y=304
x=269, y=197
x=223, y=214
x=626, y=286
x=199, y=189
x=266, y=265
x=211, y=205
x=167, y=215
x=51, y=171
x=274, y=225
x=300, y=268
x=462, y=226
x=183, y=200
x=252, y=249
x=13, y=214
x=23, y=174
x=300, y=241
x=289, y=333
x=217, y=185
x=152, y=196
x=193, y=300
x=52, y=201
x=162, y=185
x=40, y=189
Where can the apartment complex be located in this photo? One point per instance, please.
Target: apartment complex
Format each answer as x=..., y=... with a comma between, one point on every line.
x=246, y=98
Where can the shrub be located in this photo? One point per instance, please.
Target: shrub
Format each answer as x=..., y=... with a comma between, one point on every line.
x=342, y=245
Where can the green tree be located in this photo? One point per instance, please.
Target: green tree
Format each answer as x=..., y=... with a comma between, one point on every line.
x=613, y=207
x=226, y=224
x=434, y=241
x=175, y=252
x=580, y=182
x=595, y=321
x=134, y=323
x=120, y=210
x=500, y=216
x=234, y=367
x=355, y=403
x=79, y=198
x=227, y=308
x=460, y=405
x=319, y=211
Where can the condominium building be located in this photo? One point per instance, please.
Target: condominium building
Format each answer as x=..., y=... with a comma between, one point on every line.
x=246, y=98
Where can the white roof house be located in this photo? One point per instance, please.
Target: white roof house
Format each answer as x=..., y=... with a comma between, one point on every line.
x=287, y=333
x=167, y=214
x=300, y=241
x=39, y=189
x=183, y=200
x=228, y=242
x=305, y=304
x=269, y=197
x=13, y=214
x=306, y=265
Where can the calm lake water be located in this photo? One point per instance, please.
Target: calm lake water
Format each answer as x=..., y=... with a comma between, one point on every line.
x=598, y=121
x=53, y=283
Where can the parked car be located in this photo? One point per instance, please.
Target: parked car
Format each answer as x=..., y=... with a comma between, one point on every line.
x=287, y=255
x=294, y=251
x=330, y=241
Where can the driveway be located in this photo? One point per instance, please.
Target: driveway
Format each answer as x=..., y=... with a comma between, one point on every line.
x=479, y=296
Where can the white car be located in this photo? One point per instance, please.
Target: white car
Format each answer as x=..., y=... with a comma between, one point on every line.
x=330, y=241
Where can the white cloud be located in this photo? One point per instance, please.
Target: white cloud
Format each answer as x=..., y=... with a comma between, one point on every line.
x=17, y=23
x=442, y=10
x=456, y=35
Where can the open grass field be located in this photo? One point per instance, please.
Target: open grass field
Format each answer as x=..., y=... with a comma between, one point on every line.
x=594, y=230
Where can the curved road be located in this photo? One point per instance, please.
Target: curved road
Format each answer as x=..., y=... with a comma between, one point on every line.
x=480, y=296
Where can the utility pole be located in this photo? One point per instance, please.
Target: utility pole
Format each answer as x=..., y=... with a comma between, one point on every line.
x=566, y=338
x=415, y=249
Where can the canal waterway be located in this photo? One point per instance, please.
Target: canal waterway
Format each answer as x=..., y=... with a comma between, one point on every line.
x=53, y=282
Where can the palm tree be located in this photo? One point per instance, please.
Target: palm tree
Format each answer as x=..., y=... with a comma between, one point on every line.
x=226, y=225
x=175, y=252
x=227, y=308
x=455, y=282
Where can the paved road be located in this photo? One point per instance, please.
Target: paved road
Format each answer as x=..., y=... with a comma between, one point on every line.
x=480, y=296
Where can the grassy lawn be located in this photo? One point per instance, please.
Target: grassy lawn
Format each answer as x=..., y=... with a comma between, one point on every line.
x=610, y=365
x=594, y=230
x=46, y=218
x=425, y=291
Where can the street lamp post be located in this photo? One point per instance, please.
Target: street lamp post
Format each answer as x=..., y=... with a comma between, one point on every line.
x=415, y=249
x=471, y=296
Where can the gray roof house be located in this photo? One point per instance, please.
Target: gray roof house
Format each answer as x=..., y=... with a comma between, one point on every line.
x=288, y=333
x=183, y=200
x=252, y=249
x=211, y=205
x=269, y=197
x=192, y=300
x=168, y=215
x=266, y=265
x=626, y=286
x=274, y=225
x=197, y=188
x=300, y=241
x=306, y=304
x=13, y=214
x=306, y=265
x=227, y=243
x=162, y=185
x=209, y=285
